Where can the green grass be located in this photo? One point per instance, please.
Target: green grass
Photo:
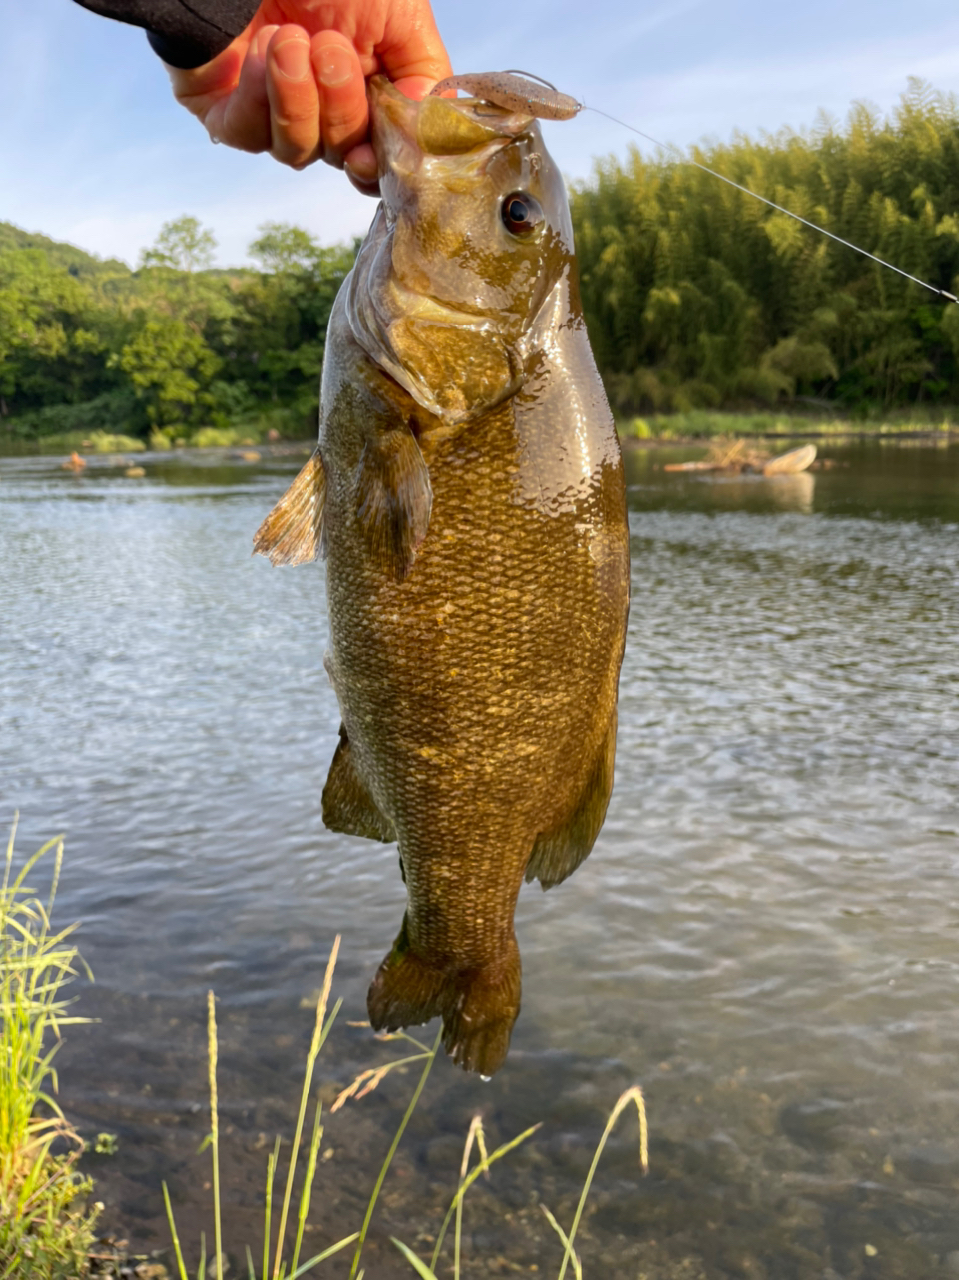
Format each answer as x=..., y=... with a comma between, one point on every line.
x=279, y=1262
x=705, y=424
x=46, y=1226
x=46, y=1230
x=86, y=442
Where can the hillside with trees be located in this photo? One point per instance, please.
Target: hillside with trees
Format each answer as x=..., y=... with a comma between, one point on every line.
x=696, y=295
x=173, y=346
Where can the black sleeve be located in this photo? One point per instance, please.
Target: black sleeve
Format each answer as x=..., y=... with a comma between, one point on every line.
x=185, y=33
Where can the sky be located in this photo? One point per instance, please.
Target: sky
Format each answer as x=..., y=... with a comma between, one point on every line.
x=94, y=150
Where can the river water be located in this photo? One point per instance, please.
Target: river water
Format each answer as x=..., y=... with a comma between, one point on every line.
x=765, y=936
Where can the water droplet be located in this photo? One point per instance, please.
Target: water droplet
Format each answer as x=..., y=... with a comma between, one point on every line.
x=214, y=139
x=486, y=1079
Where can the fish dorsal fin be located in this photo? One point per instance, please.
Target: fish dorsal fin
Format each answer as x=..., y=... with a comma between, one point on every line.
x=393, y=499
x=556, y=854
x=348, y=806
x=292, y=532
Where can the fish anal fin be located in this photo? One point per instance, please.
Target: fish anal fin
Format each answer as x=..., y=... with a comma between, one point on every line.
x=393, y=499
x=292, y=532
x=478, y=1005
x=557, y=853
x=347, y=804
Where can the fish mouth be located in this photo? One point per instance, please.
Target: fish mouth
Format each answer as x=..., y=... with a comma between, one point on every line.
x=436, y=126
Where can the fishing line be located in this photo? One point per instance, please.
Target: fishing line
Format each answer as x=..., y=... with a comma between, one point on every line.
x=516, y=90
x=668, y=146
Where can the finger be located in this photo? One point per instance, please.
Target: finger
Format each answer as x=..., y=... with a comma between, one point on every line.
x=344, y=112
x=411, y=45
x=360, y=167
x=242, y=118
x=198, y=88
x=294, y=102
x=416, y=87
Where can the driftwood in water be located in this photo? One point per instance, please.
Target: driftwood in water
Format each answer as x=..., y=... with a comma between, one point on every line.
x=736, y=459
x=788, y=464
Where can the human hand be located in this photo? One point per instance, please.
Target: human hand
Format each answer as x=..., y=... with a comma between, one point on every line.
x=294, y=82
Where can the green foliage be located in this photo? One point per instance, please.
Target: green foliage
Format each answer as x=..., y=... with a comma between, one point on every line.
x=167, y=362
x=698, y=296
x=45, y=1229
x=88, y=345
x=182, y=245
x=706, y=424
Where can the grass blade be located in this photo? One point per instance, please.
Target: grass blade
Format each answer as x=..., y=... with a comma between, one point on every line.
x=321, y=1257
x=319, y=1035
x=308, y=1184
x=475, y=1130
x=577, y=1265
x=181, y=1268
x=391, y=1153
x=634, y=1094
x=482, y=1167
x=416, y=1263
x=268, y=1213
x=215, y=1130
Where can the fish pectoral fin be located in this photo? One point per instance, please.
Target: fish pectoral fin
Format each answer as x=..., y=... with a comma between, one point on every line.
x=347, y=804
x=479, y=1005
x=557, y=853
x=293, y=531
x=393, y=499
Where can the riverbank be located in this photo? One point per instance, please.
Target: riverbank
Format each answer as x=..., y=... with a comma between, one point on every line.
x=675, y=428
x=705, y=424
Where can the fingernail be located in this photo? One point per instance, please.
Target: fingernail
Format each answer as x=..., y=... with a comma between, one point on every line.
x=293, y=59
x=336, y=66
x=261, y=41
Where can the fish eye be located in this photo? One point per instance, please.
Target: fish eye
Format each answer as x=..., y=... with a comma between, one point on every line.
x=521, y=213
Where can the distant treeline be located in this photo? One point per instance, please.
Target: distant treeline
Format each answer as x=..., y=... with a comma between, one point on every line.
x=167, y=349
x=695, y=294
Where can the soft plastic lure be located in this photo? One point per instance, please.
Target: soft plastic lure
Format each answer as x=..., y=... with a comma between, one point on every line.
x=516, y=91
x=523, y=91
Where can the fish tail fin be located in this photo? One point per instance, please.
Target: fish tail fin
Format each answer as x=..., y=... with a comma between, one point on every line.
x=478, y=1005
x=479, y=1015
x=406, y=990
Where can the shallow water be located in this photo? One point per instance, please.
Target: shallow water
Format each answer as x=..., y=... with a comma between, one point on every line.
x=765, y=936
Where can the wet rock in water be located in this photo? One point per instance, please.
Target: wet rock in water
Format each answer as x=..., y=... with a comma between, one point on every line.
x=445, y=1152
x=813, y=1124
x=717, y=1159
x=951, y=1261
x=329, y=1092
x=135, y=473
x=932, y=1162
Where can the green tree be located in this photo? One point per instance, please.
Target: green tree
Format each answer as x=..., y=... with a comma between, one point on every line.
x=182, y=245
x=285, y=249
x=168, y=363
x=697, y=294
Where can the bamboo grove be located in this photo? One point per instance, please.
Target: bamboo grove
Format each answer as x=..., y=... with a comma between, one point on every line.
x=696, y=295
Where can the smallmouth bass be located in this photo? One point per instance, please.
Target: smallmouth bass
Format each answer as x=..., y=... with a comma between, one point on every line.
x=467, y=491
